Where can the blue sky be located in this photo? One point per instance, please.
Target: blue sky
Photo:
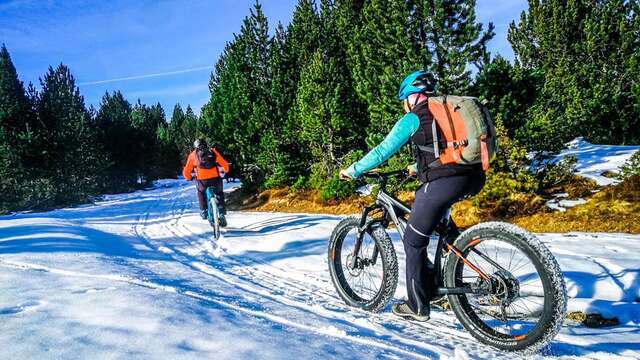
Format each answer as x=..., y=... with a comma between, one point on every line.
x=156, y=50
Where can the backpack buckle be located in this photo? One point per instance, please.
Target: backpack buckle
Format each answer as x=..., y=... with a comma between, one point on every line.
x=457, y=144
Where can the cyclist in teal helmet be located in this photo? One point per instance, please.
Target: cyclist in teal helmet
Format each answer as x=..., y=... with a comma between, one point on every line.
x=416, y=83
x=442, y=187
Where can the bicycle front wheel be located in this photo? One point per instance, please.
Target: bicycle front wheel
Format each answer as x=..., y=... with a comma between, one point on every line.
x=366, y=278
x=520, y=302
x=214, y=217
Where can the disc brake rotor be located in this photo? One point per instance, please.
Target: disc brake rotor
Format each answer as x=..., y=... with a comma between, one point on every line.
x=354, y=265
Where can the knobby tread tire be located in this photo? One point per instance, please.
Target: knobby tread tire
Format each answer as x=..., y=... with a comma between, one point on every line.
x=386, y=253
x=551, y=277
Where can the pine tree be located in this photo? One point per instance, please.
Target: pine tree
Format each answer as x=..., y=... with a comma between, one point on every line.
x=254, y=37
x=273, y=154
x=176, y=133
x=239, y=91
x=189, y=130
x=118, y=137
x=168, y=153
x=509, y=91
x=72, y=156
x=331, y=116
x=146, y=120
x=183, y=130
x=303, y=35
x=175, y=125
x=381, y=53
x=212, y=125
x=587, y=53
x=297, y=47
x=450, y=39
x=14, y=115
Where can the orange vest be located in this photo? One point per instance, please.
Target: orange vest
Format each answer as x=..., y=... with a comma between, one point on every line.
x=204, y=174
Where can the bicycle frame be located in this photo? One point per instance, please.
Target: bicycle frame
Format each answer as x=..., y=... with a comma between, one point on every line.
x=210, y=196
x=395, y=211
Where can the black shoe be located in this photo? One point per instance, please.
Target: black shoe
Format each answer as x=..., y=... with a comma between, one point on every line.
x=403, y=310
x=222, y=220
x=203, y=214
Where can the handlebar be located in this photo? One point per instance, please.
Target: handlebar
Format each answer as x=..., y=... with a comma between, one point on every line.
x=384, y=176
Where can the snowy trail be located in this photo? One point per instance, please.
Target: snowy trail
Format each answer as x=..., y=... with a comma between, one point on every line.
x=310, y=296
x=136, y=275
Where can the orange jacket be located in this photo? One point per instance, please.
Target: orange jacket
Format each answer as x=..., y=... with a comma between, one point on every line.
x=204, y=174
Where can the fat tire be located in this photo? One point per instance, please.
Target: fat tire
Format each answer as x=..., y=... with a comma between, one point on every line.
x=387, y=254
x=215, y=221
x=550, y=275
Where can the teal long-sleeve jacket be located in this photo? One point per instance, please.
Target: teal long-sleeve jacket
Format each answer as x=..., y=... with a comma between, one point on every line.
x=397, y=137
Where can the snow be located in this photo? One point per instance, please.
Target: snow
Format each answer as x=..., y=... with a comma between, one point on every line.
x=137, y=276
x=561, y=204
x=594, y=160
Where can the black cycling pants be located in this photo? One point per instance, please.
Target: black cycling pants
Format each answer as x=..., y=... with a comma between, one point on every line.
x=431, y=203
x=216, y=184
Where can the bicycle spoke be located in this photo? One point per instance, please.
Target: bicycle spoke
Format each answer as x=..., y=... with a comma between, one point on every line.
x=366, y=280
x=506, y=312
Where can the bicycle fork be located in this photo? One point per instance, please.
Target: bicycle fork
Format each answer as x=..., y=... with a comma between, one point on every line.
x=362, y=229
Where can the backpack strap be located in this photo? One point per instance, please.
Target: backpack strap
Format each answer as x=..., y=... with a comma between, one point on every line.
x=436, y=146
x=484, y=153
x=435, y=164
x=446, y=110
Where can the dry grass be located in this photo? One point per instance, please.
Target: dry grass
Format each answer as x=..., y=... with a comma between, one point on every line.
x=578, y=187
x=281, y=200
x=614, y=209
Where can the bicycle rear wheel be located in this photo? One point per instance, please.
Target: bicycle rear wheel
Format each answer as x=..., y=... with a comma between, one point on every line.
x=521, y=304
x=368, y=278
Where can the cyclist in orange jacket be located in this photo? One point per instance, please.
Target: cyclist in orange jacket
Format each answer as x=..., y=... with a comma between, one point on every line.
x=205, y=161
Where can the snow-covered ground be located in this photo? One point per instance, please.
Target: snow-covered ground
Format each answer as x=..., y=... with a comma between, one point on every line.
x=595, y=160
x=135, y=276
x=560, y=203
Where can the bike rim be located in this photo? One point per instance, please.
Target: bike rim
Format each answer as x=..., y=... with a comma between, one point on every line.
x=519, y=294
x=362, y=283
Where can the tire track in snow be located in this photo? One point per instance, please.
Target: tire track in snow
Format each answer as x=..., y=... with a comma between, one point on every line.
x=202, y=297
x=245, y=268
x=236, y=281
x=249, y=276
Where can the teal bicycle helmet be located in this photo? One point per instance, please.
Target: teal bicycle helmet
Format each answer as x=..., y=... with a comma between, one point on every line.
x=417, y=82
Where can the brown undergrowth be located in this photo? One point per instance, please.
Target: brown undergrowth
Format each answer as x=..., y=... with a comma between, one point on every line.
x=613, y=209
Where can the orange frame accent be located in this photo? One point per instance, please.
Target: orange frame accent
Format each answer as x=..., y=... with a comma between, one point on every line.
x=467, y=262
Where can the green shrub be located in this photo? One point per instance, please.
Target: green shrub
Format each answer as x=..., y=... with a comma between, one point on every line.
x=277, y=179
x=350, y=158
x=499, y=185
x=323, y=176
x=627, y=190
x=580, y=187
x=317, y=177
x=558, y=173
x=631, y=167
x=336, y=189
x=300, y=184
x=38, y=194
x=512, y=161
x=504, y=196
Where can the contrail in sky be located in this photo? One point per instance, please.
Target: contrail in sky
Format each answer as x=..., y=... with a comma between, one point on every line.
x=138, y=77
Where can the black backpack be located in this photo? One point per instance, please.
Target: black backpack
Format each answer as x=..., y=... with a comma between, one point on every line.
x=206, y=158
